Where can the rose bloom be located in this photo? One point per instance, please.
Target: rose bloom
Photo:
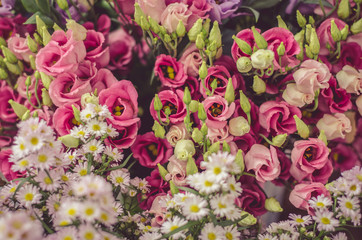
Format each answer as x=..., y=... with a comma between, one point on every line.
x=191, y=59
x=63, y=119
x=176, y=171
x=350, y=79
x=96, y=50
x=284, y=166
x=152, y=8
x=334, y=126
x=325, y=36
x=343, y=157
x=351, y=54
x=170, y=71
x=199, y=9
x=174, y=13
x=150, y=150
x=158, y=187
x=311, y=76
x=19, y=46
x=294, y=97
x=218, y=111
x=247, y=36
x=176, y=133
x=6, y=111
x=333, y=99
x=103, y=80
x=303, y=192
x=126, y=136
x=5, y=165
x=219, y=134
x=277, y=117
x=308, y=156
x=159, y=210
x=263, y=162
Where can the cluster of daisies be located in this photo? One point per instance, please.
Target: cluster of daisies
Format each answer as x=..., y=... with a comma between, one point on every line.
x=70, y=192
x=209, y=206
x=326, y=212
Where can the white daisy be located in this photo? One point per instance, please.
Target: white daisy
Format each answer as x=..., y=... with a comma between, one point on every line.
x=348, y=205
x=87, y=114
x=195, y=208
x=96, y=127
x=298, y=220
x=320, y=202
x=266, y=237
x=353, y=188
x=216, y=169
x=204, y=183
x=114, y=153
x=150, y=236
x=212, y=232
x=325, y=220
x=233, y=187
x=173, y=224
x=232, y=233
x=82, y=169
x=80, y=132
x=53, y=203
x=43, y=159
x=120, y=178
x=111, y=131
x=88, y=232
x=234, y=213
x=89, y=211
x=356, y=219
x=69, y=209
x=48, y=181
x=28, y=195
x=21, y=165
x=221, y=204
x=95, y=147
x=340, y=236
x=68, y=233
x=20, y=149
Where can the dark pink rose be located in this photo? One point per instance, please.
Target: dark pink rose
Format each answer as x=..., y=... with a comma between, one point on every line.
x=157, y=187
x=218, y=111
x=333, y=99
x=19, y=46
x=191, y=59
x=322, y=175
x=173, y=101
x=127, y=6
x=61, y=54
x=96, y=51
x=6, y=111
x=277, y=117
x=170, y=71
x=63, y=119
x=7, y=131
x=247, y=36
x=6, y=27
x=104, y=79
x=274, y=37
x=174, y=13
x=284, y=166
x=120, y=48
x=5, y=165
x=103, y=25
x=86, y=71
x=193, y=85
x=68, y=88
x=264, y=162
x=357, y=146
x=245, y=142
x=343, y=157
x=229, y=64
x=199, y=9
x=325, y=36
x=126, y=136
x=121, y=100
x=307, y=156
x=303, y=192
x=153, y=8
x=351, y=54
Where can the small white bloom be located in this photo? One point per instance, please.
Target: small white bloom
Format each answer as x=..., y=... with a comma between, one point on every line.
x=211, y=232
x=320, y=202
x=348, y=205
x=96, y=127
x=173, y=224
x=221, y=204
x=95, y=147
x=262, y=58
x=340, y=236
x=120, y=178
x=89, y=211
x=150, y=236
x=80, y=132
x=232, y=233
x=87, y=114
x=195, y=208
x=28, y=195
x=266, y=237
x=43, y=159
x=325, y=220
x=48, y=181
x=111, y=131
x=204, y=183
x=298, y=220
x=88, y=232
x=233, y=187
x=114, y=153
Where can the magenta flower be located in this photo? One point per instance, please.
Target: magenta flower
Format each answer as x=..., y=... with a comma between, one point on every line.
x=218, y=111
x=170, y=71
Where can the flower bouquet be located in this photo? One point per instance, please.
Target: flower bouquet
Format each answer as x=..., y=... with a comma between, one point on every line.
x=180, y=119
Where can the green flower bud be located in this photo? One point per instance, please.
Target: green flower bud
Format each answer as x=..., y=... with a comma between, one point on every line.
x=38, y=39
x=158, y=130
x=194, y=106
x=26, y=116
x=167, y=38
x=18, y=108
x=191, y=167
x=225, y=147
x=357, y=27
x=69, y=141
x=21, y=65
x=259, y=39
x=299, y=37
x=157, y=104
x=187, y=96
x=239, y=160
x=308, y=32
x=244, y=64
x=244, y=46
x=39, y=25
x=302, y=128
x=215, y=147
x=197, y=135
x=279, y=140
x=229, y=92
x=249, y=220
x=2, y=41
x=3, y=74
x=144, y=24
x=173, y=188
x=32, y=62
x=200, y=43
x=13, y=68
x=238, y=126
x=184, y=149
x=244, y=102
x=344, y=9
x=180, y=29
x=28, y=81
x=272, y=205
x=281, y=49
x=56, y=27
x=335, y=32
x=46, y=36
x=215, y=34
x=46, y=80
x=344, y=32
x=63, y=4
x=281, y=22
x=308, y=52
x=203, y=70
x=2, y=64
x=204, y=129
x=322, y=136
x=46, y=98
x=155, y=27
x=35, y=114
x=9, y=55
x=76, y=113
x=259, y=85
x=138, y=13
x=311, y=20
x=163, y=172
x=195, y=30
x=314, y=42
x=201, y=112
x=206, y=25
x=301, y=19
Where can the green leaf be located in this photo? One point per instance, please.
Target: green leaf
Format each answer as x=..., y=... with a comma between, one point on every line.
x=186, y=226
x=228, y=223
x=43, y=6
x=255, y=13
x=263, y=4
x=324, y=2
x=186, y=189
x=49, y=22
x=30, y=6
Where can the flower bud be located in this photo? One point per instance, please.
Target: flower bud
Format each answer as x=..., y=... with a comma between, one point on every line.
x=158, y=130
x=308, y=31
x=138, y=13
x=204, y=129
x=262, y=59
x=301, y=19
x=180, y=29
x=238, y=126
x=322, y=136
x=39, y=25
x=3, y=74
x=249, y=220
x=206, y=26
x=244, y=102
x=2, y=41
x=63, y=4
x=344, y=32
x=197, y=135
x=76, y=113
x=184, y=149
x=279, y=140
x=56, y=27
x=200, y=43
x=281, y=22
x=88, y=98
x=259, y=85
x=302, y=128
x=9, y=55
x=26, y=116
x=69, y=141
x=18, y=108
x=163, y=172
x=46, y=36
x=281, y=49
x=195, y=30
x=272, y=205
x=239, y=160
x=46, y=98
x=45, y=80
x=157, y=104
x=299, y=37
x=357, y=27
x=32, y=62
x=314, y=42
x=201, y=112
x=230, y=92
x=203, y=70
x=173, y=188
x=335, y=32
x=244, y=64
x=194, y=105
x=187, y=96
x=311, y=20
x=225, y=147
x=215, y=147
x=215, y=34
x=344, y=9
x=191, y=167
x=155, y=27
x=37, y=38
x=259, y=39
x=308, y=52
x=13, y=68
x=244, y=46
x=144, y=24
x=167, y=38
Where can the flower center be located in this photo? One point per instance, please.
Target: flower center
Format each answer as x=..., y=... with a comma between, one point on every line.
x=168, y=72
x=118, y=110
x=349, y=205
x=211, y=236
x=219, y=82
x=194, y=208
x=299, y=220
x=216, y=109
x=152, y=150
x=172, y=108
x=325, y=220
x=75, y=122
x=308, y=154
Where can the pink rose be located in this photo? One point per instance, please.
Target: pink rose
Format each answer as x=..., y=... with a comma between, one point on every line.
x=350, y=79
x=303, y=192
x=277, y=117
x=127, y=6
x=247, y=36
x=158, y=187
x=199, y=9
x=351, y=54
x=325, y=36
x=159, y=209
x=96, y=51
x=219, y=134
x=63, y=119
x=150, y=150
x=174, y=13
x=68, y=88
x=176, y=133
x=177, y=171
x=334, y=126
x=103, y=25
x=104, y=79
x=8, y=131
x=308, y=156
x=170, y=71
x=245, y=142
x=5, y=165
x=263, y=162
x=86, y=71
x=191, y=59
x=6, y=111
x=311, y=76
x=294, y=97
x=61, y=54
x=153, y=8
x=19, y=46
x=322, y=175
x=218, y=111
x=274, y=38
x=126, y=136
x=173, y=101
x=44, y=113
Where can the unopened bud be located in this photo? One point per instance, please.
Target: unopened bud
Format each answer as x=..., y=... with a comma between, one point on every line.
x=281, y=22
x=163, y=172
x=69, y=141
x=167, y=38
x=26, y=116
x=174, y=190
x=187, y=96
x=155, y=27
x=158, y=130
x=259, y=39
x=299, y=37
x=249, y=220
x=195, y=30
x=279, y=140
x=244, y=46
x=76, y=113
x=244, y=102
x=9, y=55
x=203, y=70
x=180, y=29
x=215, y=34
x=56, y=27
x=322, y=136
x=46, y=36
x=32, y=62
x=308, y=31
x=226, y=147
x=194, y=106
x=39, y=25
x=244, y=64
x=301, y=19
x=230, y=92
x=200, y=43
x=239, y=126
x=344, y=32
x=63, y=4
x=2, y=42
x=357, y=27
x=204, y=129
x=46, y=98
x=302, y=128
x=45, y=80
x=18, y=108
x=215, y=147
x=3, y=74
x=191, y=167
x=13, y=68
x=138, y=13
x=335, y=32
x=197, y=135
x=272, y=205
x=239, y=160
x=157, y=104
x=201, y=112
x=144, y=24
x=281, y=49
x=314, y=42
x=344, y=9
x=259, y=85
